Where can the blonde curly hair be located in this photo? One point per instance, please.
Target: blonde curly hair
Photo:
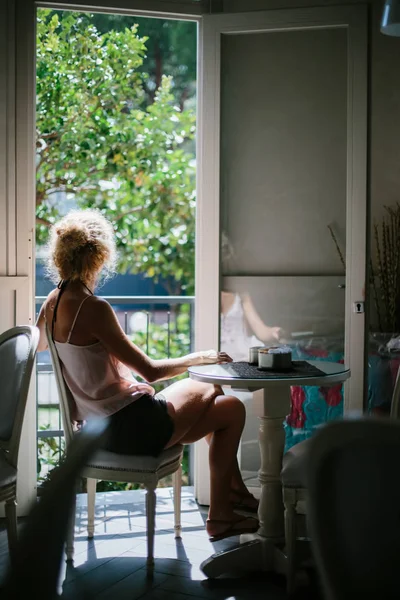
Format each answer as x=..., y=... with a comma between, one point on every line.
x=81, y=245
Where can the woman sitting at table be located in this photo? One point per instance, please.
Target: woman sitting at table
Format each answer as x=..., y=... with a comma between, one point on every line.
x=98, y=359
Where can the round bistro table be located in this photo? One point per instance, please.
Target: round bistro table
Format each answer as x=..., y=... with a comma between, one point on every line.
x=265, y=549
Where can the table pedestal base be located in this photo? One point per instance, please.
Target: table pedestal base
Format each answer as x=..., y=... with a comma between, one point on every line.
x=265, y=550
x=258, y=554
x=262, y=551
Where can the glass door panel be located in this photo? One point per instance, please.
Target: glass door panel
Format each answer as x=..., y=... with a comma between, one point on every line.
x=283, y=148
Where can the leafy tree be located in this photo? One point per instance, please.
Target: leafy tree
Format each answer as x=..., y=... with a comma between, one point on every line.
x=103, y=146
x=170, y=50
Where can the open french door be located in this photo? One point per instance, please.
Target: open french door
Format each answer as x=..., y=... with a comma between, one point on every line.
x=282, y=171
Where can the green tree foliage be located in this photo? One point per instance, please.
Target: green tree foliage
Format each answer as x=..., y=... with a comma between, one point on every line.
x=104, y=146
x=170, y=50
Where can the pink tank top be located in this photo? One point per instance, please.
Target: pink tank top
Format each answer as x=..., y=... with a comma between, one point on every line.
x=99, y=383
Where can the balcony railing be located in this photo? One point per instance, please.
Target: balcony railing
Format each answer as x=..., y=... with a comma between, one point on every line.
x=161, y=325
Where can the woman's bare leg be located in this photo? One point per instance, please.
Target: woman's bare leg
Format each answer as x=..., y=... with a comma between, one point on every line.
x=187, y=401
x=198, y=410
x=239, y=491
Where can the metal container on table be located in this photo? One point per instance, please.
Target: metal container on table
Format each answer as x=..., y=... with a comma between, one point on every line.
x=276, y=358
x=253, y=355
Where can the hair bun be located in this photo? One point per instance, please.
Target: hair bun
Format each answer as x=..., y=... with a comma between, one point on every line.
x=81, y=245
x=75, y=236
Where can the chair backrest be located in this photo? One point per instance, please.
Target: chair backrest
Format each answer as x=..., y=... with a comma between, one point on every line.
x=65, y=396
x=353, y=508
x=37, y=561
x=395, y=407
x=17, y=354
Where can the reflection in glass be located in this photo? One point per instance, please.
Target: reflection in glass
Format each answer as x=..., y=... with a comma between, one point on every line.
x=283, y=177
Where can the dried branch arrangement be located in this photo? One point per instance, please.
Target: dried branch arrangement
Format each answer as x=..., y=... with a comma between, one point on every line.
x=333, y=236
x=385, y=276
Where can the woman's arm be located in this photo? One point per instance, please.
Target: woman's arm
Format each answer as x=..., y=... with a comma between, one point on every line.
x=41, y=324
x=264, y=333
x=102, y=323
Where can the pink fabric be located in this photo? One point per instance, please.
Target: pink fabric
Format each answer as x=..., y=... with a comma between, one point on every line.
x=297, y=418
x=100, y=384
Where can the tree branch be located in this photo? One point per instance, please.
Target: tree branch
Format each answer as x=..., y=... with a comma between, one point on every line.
x=42, y=221
x=129, y=212
x=68, y=190
x=49, y=136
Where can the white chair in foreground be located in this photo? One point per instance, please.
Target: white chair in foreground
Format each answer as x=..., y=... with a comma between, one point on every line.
x=353, y=508
x=109, y=466
x=17, y=354
x=295, y=492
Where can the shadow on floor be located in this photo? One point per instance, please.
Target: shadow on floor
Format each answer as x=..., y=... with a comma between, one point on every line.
x=112, y=565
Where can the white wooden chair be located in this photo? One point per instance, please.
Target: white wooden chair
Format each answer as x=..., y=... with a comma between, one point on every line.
x=17, y=354
x=37, y=560
x=109, y=466
x=293, y=476
x=353, y=508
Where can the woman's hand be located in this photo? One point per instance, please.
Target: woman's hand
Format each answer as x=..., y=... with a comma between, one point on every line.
x=277, y=333
x=209, y=357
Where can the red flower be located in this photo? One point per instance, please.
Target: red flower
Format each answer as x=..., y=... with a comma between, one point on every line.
x=332, y=395
x=297, y=417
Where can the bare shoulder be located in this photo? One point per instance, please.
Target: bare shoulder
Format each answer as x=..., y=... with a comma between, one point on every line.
x=52, y=295
x=97, y=308
x=50, y=301
x=99, y=318
x=245, y=298
x=99, y=304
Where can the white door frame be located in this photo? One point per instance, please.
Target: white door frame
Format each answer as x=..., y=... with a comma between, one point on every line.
x=161, y=9
x=354, y=20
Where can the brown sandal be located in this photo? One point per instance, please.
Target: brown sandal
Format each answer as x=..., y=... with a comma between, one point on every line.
x=232, y=528
x=241, y=503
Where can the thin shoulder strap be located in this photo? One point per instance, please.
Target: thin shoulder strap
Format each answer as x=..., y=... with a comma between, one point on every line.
x=76, y=316
x=61, y=286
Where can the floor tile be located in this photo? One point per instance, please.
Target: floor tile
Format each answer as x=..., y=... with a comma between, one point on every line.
x=158, y=594
x=100, y=553
x=182, y=568
x=106, y=574
x=238, y=588
x=134, y=586
x=111, y=566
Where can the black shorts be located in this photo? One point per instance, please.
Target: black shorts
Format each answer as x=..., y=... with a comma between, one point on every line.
x=143, y=427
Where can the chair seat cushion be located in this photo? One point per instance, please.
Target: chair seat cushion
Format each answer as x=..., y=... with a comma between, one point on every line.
x=134, y=463
x=294, y=465
x=8, y=474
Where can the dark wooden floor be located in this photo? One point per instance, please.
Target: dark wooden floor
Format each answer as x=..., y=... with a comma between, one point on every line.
x=112, y=565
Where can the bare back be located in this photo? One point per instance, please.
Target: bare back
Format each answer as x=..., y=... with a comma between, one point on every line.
x=67, y=311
